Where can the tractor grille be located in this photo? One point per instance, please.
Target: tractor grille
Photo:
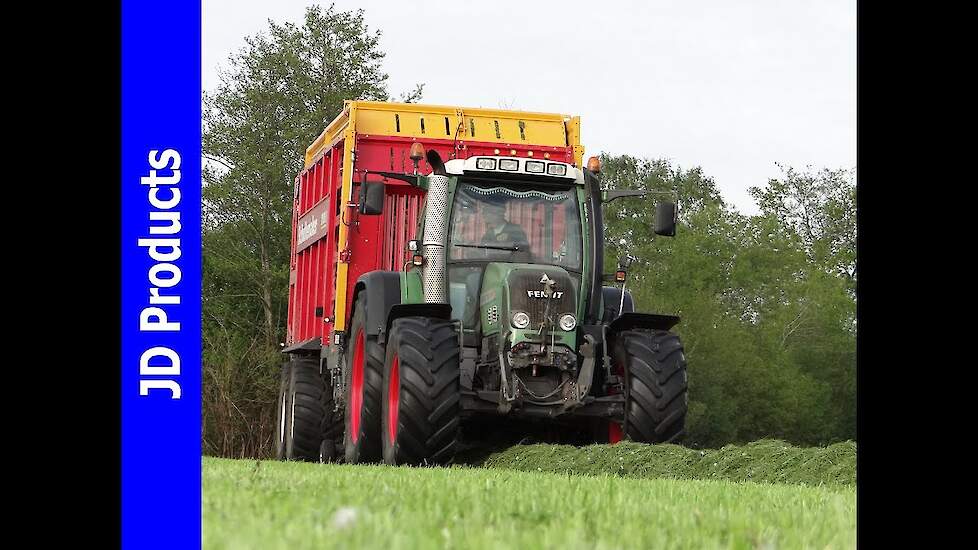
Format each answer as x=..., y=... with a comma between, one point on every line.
x=523, y=280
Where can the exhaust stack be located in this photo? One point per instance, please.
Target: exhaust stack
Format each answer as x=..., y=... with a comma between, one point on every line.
x=433, y=275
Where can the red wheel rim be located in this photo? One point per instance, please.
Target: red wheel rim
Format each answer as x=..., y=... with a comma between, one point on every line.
x=356, y=387
x=393, y=398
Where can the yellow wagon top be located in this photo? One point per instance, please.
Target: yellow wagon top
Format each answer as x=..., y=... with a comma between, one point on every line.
x=444, y=122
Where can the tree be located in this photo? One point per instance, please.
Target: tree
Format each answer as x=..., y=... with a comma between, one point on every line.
x=766, y=315
x=276, y=96
x=821, y=207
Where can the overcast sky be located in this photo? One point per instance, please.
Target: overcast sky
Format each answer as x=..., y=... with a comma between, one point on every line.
x=732, y=87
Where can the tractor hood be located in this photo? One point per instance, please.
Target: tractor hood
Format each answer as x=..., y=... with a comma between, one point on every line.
x=509, y=289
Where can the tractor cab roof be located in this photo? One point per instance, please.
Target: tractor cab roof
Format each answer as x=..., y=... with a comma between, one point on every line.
x=515, y=168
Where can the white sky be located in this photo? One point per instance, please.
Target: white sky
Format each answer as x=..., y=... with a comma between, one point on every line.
x=730, y=86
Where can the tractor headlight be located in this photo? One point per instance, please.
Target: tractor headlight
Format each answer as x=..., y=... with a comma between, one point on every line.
x=521, y=320
x=567, y=322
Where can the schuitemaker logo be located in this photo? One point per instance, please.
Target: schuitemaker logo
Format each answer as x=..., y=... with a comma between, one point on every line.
x=308, y=229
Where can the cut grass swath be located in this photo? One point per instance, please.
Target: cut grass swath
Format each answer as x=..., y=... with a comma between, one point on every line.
x=767, y=461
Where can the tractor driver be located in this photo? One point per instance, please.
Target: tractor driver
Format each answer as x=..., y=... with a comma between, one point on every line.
x=499, y=229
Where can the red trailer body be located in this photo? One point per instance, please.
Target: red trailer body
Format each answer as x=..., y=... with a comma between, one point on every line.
x=332, y=245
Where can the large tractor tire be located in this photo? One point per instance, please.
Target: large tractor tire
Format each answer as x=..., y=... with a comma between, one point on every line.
x=303, y=405
x=656, y=398
x=420, y=420
x=364, y=377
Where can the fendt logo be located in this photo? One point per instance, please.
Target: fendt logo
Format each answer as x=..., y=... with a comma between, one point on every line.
x=539, y=294
x=549, y=283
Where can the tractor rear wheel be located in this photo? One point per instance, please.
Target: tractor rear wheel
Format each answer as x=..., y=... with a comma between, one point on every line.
x=420, y=420
x=656, y=396
x=364, y=376
x=304, y=401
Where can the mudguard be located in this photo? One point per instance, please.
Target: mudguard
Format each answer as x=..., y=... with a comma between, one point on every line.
x=383, y=291
x=628, y=321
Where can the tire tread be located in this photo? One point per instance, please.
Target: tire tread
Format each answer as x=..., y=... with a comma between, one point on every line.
x=309, y=405
x=429, y=404
x=656, y=393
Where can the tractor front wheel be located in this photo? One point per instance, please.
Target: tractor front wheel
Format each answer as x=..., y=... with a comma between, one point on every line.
x=420, y=419
x=656, y=399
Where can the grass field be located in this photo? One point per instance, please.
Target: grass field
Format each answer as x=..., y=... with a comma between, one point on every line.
x=251, y=504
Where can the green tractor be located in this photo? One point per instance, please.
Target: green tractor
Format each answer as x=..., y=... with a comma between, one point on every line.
x=503, y=310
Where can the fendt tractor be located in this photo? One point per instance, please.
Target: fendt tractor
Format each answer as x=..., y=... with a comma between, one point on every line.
x=447, y=268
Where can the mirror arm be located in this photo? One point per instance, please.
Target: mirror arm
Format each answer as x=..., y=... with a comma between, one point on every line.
x=613, y=194
x=414, y=181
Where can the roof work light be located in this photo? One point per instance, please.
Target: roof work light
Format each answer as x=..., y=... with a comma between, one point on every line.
x=417, y=153
x=594, y=165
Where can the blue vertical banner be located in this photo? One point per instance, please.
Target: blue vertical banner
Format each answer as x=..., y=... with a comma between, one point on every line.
x=161, y=274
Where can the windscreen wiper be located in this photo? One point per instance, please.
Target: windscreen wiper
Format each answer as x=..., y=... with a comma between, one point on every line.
x=489, y=246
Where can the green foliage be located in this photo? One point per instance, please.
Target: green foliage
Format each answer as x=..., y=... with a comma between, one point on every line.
x=767, y=301
x=821, y=208
x=275, y=97
x=251, y=504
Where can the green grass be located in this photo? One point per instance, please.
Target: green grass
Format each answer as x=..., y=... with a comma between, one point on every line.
x=250, y=504
x=767, y=460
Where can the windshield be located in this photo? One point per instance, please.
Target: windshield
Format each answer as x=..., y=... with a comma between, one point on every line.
x=501, y=223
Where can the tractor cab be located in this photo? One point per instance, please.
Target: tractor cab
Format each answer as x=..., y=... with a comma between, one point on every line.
x=528, y=213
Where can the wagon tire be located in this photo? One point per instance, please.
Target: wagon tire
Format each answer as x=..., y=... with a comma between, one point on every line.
x=364, y=376
x=302, y=405
x=281, y=412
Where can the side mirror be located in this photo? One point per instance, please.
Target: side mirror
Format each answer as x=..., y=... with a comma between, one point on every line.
x=665, y=219
x=371, y=198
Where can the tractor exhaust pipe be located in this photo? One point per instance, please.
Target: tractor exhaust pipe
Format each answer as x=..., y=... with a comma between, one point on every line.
x=433, y=275
x=437, y=165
